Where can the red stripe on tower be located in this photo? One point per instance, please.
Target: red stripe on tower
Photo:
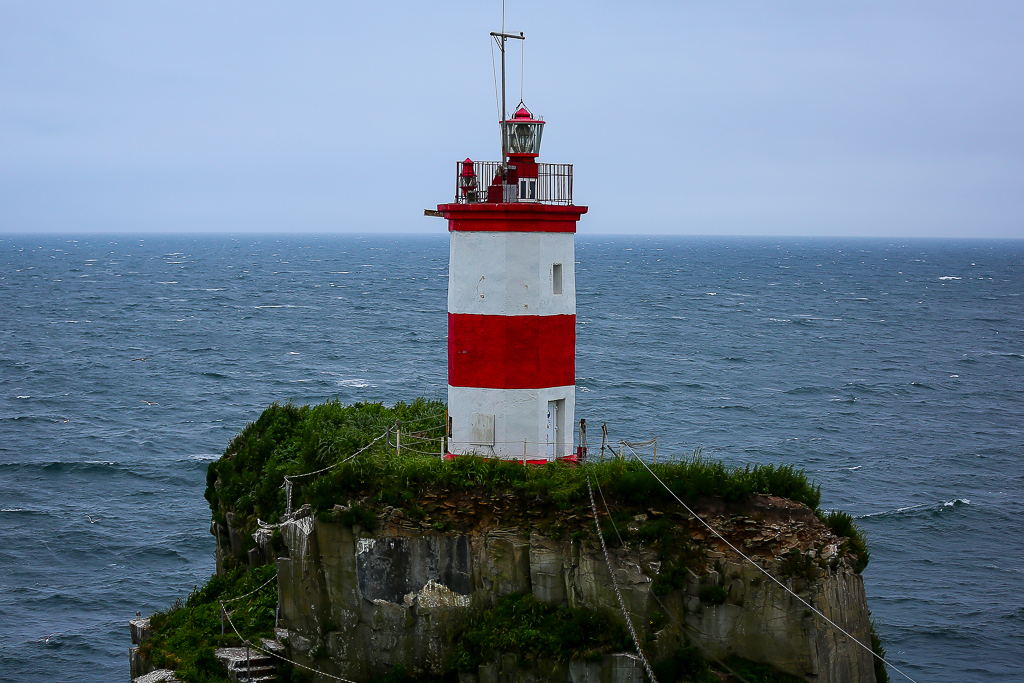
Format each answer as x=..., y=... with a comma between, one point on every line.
x=511, y=352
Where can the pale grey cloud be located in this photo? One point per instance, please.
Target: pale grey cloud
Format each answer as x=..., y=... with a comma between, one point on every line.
x=709, y=118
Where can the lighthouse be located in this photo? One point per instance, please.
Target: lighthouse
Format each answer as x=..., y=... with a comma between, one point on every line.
x=512, y=300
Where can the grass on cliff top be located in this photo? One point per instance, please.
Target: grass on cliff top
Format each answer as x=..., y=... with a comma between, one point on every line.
x=530, y=629
x=186, y=633
x=288, y=440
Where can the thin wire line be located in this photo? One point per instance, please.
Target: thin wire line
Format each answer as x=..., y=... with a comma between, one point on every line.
x=341, y=462
x=671, y=615
x=765, y=572
x=615, y=584
x=252, y=591
x=288, y=478
x=277, y=656
x=522, y=67
x=494, y=73
x=423, y=419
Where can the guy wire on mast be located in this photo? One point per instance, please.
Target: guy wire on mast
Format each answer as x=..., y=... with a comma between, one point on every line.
x=504, y=110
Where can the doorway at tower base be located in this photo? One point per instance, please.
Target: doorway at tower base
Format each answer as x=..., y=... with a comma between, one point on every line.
x=492, y=422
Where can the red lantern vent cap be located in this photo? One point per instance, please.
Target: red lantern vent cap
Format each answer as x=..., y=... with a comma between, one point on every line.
x=523, y=115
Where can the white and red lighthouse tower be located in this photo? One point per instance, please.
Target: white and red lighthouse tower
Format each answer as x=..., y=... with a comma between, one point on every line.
x=512, y=302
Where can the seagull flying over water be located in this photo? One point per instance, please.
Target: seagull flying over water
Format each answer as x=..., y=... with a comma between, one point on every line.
x=46, y=639
x=91, y=520
x=135, y=359
x=149, y=403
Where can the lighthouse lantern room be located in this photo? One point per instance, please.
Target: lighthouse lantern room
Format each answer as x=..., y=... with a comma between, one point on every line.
x=512, y=299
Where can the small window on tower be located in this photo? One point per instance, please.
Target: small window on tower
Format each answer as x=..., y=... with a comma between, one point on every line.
x=556, y=278
x=527, y=189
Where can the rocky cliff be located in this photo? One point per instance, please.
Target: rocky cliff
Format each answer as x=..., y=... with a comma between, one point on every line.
x=356, y=603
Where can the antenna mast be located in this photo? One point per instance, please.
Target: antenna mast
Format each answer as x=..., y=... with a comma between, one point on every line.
x=500, y=39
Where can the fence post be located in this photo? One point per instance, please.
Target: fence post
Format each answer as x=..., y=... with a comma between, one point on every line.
x=604, y=437
x=583, y=442
x=655, y=450
x=398, y=437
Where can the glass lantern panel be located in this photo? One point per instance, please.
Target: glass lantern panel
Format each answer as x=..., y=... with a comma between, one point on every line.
x=523, y=138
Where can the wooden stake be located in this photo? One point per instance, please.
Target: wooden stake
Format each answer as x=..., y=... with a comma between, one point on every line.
x=604, y=437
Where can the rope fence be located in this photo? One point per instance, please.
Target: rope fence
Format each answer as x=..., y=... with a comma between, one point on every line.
x=289, y=477
x=252, y=592
x=249, y=644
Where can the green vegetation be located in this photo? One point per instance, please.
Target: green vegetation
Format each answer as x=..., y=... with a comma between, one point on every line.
x=535, y=630
x=881, y=673
x=842, y=524
x=759, y=673
x=713, y=595
x=185, y=635
x=685, y=665
x=796, y=563
x=288, y=440
x=248, y=480
x=398, y=674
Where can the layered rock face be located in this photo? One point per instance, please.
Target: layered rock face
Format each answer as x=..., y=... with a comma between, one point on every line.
x=356, y=604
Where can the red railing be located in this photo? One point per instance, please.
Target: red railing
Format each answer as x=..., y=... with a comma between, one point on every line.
x=483, y=181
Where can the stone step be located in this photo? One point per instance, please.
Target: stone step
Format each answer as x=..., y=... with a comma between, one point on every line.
x=158, y=676
x=253, y=662
x=254, y=671
x=262, y=667
x=247, y=665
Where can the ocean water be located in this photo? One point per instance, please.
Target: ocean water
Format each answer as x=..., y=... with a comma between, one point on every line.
x=891, y=370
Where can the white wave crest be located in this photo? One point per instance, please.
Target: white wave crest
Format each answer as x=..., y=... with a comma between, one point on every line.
x=355, y=383
x=923, y=507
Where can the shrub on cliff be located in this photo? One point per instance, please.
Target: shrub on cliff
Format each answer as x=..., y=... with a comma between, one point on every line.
x=530, y=629
x=287, y=440
x=184, y=635
x=248, y=479
x=842, y=524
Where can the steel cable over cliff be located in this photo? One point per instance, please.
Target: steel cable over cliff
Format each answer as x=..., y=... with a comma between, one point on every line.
x=615, y=585
x=759, y=567
x=248, y=643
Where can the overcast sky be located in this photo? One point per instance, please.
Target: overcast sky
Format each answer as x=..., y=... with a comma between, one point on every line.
x=811, y=118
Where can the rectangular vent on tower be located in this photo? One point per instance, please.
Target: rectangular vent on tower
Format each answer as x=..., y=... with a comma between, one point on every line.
x=556, y=278
x=481, y=430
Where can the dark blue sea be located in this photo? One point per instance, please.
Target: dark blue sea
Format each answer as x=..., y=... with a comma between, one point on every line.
x=891, y=370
